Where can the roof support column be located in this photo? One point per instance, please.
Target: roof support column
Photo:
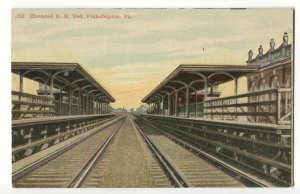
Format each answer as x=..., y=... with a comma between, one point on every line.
x=51, y=86
x=84, y=103
x=107, y=111
x=92, y=105
x=205, y=90
x=89, y=104
x=94, y=108
x=46, y=88
x=151, y=109
x=163, y=106
x=169, y=104
x=173, y=105
x=21, y=86
x=86, y=100
x=196, y=105
x=187, y=113
x=236, y=93
x=70, y=100
x=97, y=107
x=103, y=108
x=176, y=103
x=100, y=108
x=235, y=86
x=60, y=101
x=79, y=102
x=148, y=108
x=158, y=106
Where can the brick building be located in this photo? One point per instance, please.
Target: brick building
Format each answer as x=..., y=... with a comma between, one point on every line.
x=275, y=72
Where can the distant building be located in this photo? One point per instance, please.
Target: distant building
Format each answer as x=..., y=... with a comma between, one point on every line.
x=119, y=110
x=275, y=72
x=142, y=109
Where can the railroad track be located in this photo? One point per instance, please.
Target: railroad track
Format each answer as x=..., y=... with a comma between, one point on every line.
x=68, y=166
x=127, y=162
x=128, y=152
x=188, y=169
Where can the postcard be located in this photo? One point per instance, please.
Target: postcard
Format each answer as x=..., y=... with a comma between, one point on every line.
x=152, y=98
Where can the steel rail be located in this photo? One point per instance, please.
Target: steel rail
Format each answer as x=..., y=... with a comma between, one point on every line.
x=27, y=169
x=77, y=181
x=172, y=171
x=263, y=182
x=225, y=165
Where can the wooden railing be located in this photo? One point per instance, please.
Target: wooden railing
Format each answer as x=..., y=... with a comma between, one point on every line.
x=192, y=110
x=266, y=106
x=26, y=105
x=30, y=136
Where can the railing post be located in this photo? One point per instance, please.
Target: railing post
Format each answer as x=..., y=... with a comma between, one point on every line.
x=278, y=107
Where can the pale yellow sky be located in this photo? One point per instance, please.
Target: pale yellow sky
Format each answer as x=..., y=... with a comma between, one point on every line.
x=131, y=55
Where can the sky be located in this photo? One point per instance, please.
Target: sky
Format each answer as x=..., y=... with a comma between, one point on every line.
x=130, y=56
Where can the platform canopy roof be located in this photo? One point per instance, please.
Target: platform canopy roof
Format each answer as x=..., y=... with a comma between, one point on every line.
x=197, y=76
x=65, y=76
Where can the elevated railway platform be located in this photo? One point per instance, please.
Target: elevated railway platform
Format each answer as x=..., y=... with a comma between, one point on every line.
x=253, y=130
x=65, y=135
